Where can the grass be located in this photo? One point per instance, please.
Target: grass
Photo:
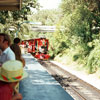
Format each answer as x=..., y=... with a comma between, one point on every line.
x=67, y=61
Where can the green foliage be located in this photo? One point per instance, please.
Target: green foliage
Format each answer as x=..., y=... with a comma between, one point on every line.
x=68, y=6
x=93, y=62
x=13, y=19
x=20, y=14
x=80, y=32
x=76, y=30
x=47, y=17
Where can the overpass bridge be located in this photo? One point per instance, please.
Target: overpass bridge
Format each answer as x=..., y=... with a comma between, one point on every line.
x=44, y=28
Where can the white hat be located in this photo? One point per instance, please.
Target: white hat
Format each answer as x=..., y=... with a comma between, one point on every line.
x=12, y=71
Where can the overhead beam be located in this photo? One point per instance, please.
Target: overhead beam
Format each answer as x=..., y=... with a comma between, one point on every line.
x=43, y=28
x=10, y=4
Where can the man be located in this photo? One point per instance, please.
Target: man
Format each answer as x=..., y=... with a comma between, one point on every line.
x=7, y=53
x=11, y=73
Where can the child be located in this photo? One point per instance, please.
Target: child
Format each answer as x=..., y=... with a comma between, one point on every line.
x=11, y=73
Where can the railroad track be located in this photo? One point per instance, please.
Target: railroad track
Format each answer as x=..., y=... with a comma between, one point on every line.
x=76, y=87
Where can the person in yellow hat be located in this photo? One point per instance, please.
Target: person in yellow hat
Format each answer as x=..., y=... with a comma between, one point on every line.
x=11, y=73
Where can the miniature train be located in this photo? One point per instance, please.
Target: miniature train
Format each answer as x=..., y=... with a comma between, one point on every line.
x=37, y=47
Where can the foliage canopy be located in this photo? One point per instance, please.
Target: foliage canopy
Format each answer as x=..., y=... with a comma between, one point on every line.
x=81, y=31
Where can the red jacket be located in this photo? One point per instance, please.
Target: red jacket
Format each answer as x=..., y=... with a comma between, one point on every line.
x=5, y=91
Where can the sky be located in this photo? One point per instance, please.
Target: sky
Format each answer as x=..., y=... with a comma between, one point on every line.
x=49, y=4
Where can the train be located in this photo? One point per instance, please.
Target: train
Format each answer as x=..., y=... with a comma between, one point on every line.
x=38, y=47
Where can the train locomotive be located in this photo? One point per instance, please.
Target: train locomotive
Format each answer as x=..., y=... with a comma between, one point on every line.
x=37, y=47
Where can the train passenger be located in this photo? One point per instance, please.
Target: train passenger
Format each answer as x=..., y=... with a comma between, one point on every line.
x=16, y=49
x=7, y=53
x=11, y=73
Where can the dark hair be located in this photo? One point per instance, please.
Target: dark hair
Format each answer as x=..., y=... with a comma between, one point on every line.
x=6, y=38
x=16, y=49
x=16, y=40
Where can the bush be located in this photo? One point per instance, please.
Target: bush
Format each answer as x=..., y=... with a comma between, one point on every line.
x=93, y=63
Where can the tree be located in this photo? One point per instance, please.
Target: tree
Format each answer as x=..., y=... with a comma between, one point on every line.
x=14, y=18
x=47, y=17
x=20, y=14
x=81, y=22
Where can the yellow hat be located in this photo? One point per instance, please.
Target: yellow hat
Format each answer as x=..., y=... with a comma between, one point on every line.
x=12, y=71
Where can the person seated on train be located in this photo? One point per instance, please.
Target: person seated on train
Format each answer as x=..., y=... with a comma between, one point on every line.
x=11, y=73
x=27, y=44
x=44, y=49
x=41, y=50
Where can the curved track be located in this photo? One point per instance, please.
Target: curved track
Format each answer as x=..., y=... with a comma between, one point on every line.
x=77, y=88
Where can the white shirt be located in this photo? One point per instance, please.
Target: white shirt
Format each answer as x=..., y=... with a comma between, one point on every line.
x=6, y=55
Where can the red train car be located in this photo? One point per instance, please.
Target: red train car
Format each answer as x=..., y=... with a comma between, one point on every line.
x=41, y=48
x=30, y=46
x=38, y=47
x=23, y=44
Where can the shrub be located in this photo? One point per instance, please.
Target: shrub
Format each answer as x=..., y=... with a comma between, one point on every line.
x=93, y=62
